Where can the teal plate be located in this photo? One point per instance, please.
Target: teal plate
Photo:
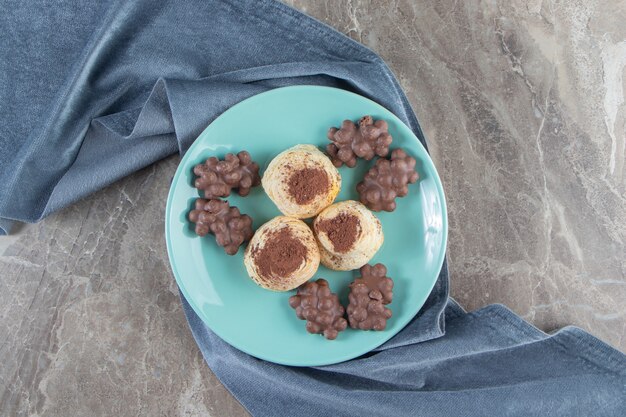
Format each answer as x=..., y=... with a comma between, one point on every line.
x=260, y=322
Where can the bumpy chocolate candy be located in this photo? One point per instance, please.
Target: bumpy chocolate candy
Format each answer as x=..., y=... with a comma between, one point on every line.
x=368, y=296
x=230, y=227
x=321, y=309
x=217, y=178
x=386, y=180
x=350, y=141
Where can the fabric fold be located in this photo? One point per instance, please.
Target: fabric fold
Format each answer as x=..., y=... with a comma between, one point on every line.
x=152, y=73
x=489, y=363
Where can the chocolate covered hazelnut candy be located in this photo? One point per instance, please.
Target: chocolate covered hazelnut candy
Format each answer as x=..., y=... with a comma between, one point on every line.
x=368, y=296
x=386, y=180
x=365, y=140
x=217, y=178
x=321, y=309
x=230, y=227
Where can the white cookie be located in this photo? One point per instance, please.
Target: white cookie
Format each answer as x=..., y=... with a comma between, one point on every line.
x=301, y=181
x=282, y=254
x=349, y=235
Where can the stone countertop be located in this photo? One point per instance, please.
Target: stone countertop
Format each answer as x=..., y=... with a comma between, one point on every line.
x=523, y=106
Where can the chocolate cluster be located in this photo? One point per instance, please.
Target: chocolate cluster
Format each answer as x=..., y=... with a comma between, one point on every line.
x=315, y=303
x=216, y=178
x=386, y=180
x=351, y=141
x=230, y=227
x=368, y=296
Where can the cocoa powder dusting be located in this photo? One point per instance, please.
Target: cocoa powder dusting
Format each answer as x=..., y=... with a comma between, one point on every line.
x=342, y=231
x=281, y=255
x=308, y=183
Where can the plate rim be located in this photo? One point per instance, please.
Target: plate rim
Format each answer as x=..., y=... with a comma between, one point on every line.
x=339, y=358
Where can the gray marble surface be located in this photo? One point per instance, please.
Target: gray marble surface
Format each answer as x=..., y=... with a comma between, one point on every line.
x=523, y=106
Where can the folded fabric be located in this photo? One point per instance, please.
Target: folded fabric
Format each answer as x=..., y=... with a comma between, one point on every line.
x=100, y=90
x=489, y=363
x=97, y=92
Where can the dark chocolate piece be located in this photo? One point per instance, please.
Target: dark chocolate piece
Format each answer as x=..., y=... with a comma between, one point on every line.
x=321, y=309
x=217, y=178
x=350, y=141
x=230, y=227
x=386, y=180
x=368, y=296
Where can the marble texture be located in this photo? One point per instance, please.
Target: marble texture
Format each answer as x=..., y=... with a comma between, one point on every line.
x=523, y=106
x=91, y=320
x=522, y=103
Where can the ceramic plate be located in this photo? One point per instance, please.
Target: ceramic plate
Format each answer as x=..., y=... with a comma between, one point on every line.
x=260, y=322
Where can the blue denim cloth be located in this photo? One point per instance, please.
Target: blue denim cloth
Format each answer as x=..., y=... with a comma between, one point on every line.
x=93, y=91
x=489, y=363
